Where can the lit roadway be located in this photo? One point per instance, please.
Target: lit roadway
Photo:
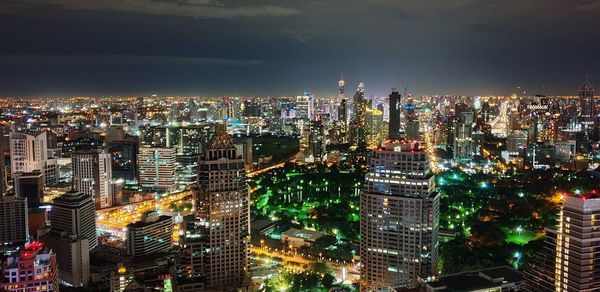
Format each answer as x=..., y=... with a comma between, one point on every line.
x=430, y=148
x=351, y=275
x=278, y=165
x=119, y=217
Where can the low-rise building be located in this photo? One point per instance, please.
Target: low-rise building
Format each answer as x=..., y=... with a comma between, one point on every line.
x=493, y=279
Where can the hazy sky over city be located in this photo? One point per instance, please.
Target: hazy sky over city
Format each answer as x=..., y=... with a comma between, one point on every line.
x=223, y=47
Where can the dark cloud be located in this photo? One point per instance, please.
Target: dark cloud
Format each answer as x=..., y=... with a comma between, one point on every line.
x=188, y=8
x=42, y=60
x=268, y=47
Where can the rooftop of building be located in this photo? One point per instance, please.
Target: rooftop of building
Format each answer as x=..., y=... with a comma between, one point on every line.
x=401, y=145
x=304, y=234
x=35, y=250
x=149, y=218
x=70, y=197
x=221, y=140
x=477, y=280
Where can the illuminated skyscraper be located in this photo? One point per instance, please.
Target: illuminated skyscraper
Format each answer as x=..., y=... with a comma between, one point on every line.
x=399, y=219
x=224, y=212
x=357, y=126
x=150, y=235
x=343, y=112
x=92, y=175
x=341, y=84
x=587, y=105
x=463, y=140
x=569, y=260
x=395, y=112
x=73, y=213
x=374, y=122
x=29, y=152
x=318, y=152
x=157, y=168
x=412, y=122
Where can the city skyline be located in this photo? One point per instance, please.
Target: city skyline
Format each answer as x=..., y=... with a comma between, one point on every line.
x=323, y=145
x=265, y=48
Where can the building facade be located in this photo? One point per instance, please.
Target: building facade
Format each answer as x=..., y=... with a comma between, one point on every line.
x=29, y=153
x=13, y=220
x=223, y=209
x=33, y=269
x=569, y=260
x=463, y=141
x=74, y=213
x=395, y=100
x=73, y=257
x=150, y=235
x=92, y=175
x=399, y=219
x=157, y=168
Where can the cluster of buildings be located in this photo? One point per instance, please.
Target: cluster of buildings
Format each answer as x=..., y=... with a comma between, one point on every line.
x=65, y=162
x=64, y=174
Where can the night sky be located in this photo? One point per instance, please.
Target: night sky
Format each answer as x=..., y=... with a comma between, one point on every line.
x=222, y=47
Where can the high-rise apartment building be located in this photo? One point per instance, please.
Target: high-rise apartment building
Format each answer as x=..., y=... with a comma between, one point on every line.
x=29, y=152
x=587, y=105
x=157, y=168
x=124, y=159
x=394, y=118
x=223, y=209
x=150, y=235
x=92, y=175
x=412, y=121
x=13, y=220
x=357, y=127
x=74, y=213
x=34, y=268
x=374, y=123
x=318, y=152
x=570, y=259
x=73, y=257
x=343, y=112
x=399, y=219
x=464, y=147
x=29, y=185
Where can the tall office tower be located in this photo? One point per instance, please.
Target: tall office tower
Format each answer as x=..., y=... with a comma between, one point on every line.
x=374, y=123
x=343, y=111
x=223, y=207
x=124, y=159
x=569, y=260
x=33, y=269
x=29, y=185
x=341, y=84
x=412, y=122
x=157, y=168
x=318, y=152
x=29, y=153
x=463, y=140
x=399, y=219
x=13, y=220
x=2, y=169
x=92, y=175
x=73, y=257
x=395, y=112
x=74, y=213
x=357, y=131
x=587, y=106
x=150, y=235
x=304, y=109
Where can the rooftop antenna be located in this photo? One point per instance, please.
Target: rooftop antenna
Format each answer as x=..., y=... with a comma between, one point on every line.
x=405, y=88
